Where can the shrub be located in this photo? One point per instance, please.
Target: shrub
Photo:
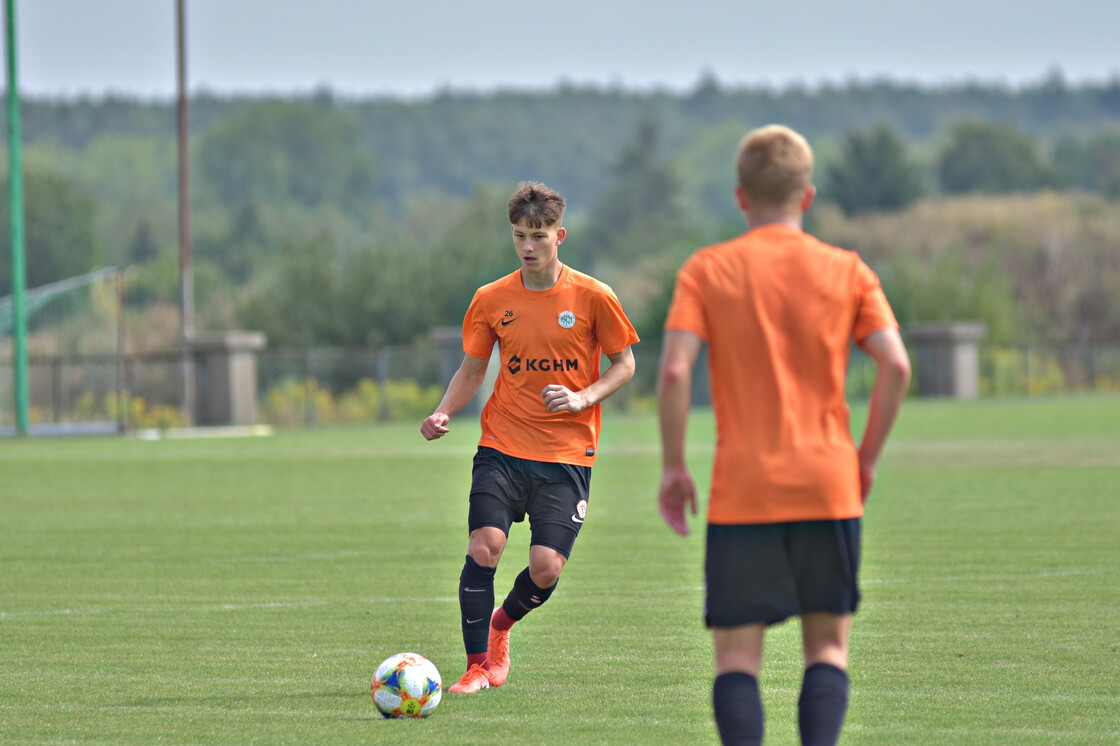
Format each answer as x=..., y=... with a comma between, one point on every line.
x=296, y=402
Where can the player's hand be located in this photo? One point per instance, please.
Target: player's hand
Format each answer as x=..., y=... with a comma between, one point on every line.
x=866, y=479
x=676, y=491
x=562, y=399
x=435, y=426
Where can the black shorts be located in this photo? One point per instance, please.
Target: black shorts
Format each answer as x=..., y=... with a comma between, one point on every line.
x=767, y=573
x=504, y=489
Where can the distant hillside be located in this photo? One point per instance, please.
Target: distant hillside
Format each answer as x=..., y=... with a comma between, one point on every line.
x=452, y=141
x=325, y=220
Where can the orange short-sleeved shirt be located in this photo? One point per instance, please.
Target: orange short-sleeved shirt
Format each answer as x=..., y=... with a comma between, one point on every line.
x=779, y=310
x=544, y=336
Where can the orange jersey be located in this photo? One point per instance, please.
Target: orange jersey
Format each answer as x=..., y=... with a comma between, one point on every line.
x=779, y=310
x=544, y=337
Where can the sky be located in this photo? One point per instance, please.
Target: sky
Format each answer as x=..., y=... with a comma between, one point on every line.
x=414, y=48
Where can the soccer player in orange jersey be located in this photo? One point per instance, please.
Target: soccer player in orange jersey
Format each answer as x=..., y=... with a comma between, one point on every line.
x=540, y=426
x=778, y=310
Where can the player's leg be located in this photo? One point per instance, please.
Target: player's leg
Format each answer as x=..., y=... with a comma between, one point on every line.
x=825, y=638
x=824, y=689
x=532, y=587
x=736, y=700
x=557, y=508
x=492, y=511
x=749, y=585
x=476, y=589
x=826, y=556
x=476, y=600
x=534, y=584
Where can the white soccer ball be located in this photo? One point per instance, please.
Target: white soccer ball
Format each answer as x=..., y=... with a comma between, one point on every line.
x=406, y=685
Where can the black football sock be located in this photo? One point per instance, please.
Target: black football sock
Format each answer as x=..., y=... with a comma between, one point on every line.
x=823, y=702
x=525, y=596
x=476, y=603
x=738, y=709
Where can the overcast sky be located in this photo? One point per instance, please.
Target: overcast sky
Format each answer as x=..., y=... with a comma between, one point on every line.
x=415, y=47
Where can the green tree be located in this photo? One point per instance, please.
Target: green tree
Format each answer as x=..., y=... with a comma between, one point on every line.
x=397, y=290
x=948, y=287
x=474, y=247
x=58, y=230
x=143, y=247
x=872, y=173
x=277, y=150
x=1092, y=164
x=707, y=175
x=134, y=182
x=158, y=283
x=639, y=212
x=240, y=241
x=993, y=159
x=295, y=305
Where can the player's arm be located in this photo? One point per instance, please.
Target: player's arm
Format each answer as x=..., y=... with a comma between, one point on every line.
x=561, y=399
x=892, y=379
x=674, y=391
x=464, y=385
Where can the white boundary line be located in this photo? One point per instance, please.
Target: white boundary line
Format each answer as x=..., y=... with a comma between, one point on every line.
x=169, y=610
x=451, y=599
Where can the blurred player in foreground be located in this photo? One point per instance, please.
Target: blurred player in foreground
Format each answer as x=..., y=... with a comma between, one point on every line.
x=778, y=310
x=540, y=426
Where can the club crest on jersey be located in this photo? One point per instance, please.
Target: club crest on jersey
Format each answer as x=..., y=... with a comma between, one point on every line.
x=567, y=319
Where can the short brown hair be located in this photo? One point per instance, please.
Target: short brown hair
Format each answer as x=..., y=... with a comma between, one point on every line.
x=775, y=166
x=535, y=205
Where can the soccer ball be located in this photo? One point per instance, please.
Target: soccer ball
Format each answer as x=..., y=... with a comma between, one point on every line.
x=406, y=685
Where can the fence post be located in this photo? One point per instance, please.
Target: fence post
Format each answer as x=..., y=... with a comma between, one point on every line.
x=56, y=389
x=308, y=399
x=382, y=367
x=1092, y=365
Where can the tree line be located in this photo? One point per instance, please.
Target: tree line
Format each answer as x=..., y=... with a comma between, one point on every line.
x=329, y=221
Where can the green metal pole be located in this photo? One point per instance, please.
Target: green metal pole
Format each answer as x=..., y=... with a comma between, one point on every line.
x=19, y=263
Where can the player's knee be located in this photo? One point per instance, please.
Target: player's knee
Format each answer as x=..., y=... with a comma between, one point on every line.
x=545, y=567
x=833, y=655
x=484, y=555
x=545, y=576
x=826, y=650
x=825, y=639
x=486, y=546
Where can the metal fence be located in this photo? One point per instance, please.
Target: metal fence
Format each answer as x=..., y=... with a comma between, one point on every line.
x=330, y=385
x=65, y=390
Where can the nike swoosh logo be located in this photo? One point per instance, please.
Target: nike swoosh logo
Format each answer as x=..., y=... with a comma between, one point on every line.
x=506, y=322
x=475, y=621
x=475, y=590
x=576, y=518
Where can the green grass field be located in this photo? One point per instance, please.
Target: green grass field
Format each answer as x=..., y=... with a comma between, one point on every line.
x=244, y=590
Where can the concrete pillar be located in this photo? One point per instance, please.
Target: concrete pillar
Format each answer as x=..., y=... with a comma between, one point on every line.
x=226, y=377
x=947, y=357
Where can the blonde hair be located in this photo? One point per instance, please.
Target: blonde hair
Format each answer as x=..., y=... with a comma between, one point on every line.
x=774, y=165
